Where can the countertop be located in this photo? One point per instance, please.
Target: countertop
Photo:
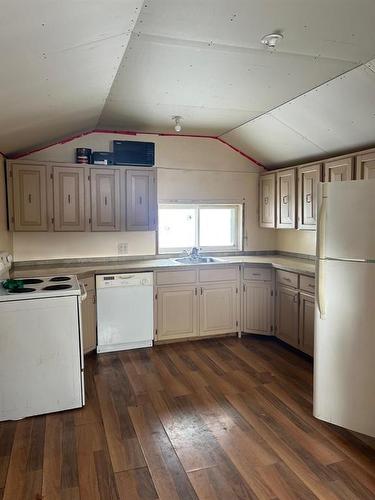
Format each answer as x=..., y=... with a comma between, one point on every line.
x=304, y=266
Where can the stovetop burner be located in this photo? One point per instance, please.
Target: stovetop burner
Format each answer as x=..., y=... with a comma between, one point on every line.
x=57, y=287
x=60, y=278
x=31, y=281
x=22, y=290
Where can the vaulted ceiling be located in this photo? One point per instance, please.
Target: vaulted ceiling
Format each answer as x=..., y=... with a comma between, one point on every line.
x=74, y=65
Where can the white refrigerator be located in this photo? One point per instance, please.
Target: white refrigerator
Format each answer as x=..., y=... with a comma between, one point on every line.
x=344, y=358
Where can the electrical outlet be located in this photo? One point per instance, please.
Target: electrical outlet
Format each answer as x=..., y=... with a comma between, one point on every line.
x=122, y=248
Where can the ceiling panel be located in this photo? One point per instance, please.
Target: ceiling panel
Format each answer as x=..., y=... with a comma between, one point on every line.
x=58, y=61
x=204, y=60
x=336, y=117
x=200, y=82
x=271, y=142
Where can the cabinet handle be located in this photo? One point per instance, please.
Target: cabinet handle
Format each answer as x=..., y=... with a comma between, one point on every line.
x=285, y=199
x=201, y=291
x=69, y=199
x=311, y=286
x=255, y=274
x=295, y=298
x=308, y=198
x=287, y=279
x=140, y=200
x=196, y=292
x=266, y=200
x=105, y=200
x=29, y=198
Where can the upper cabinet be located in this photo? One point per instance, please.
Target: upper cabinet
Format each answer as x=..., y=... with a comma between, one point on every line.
x=308, y=178
x=286, y=198
x=365, y=166
x=69, y=199
x=105, y=199
x=27, y=196
x=339, y=170
x=267, y=187
x=140, y=200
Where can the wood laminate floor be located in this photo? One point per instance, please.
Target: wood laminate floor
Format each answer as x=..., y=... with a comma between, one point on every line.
x=218, y=419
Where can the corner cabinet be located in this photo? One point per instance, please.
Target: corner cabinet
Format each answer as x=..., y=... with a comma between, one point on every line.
x=309, y=177
x=286, y=198
x=267, y=209
x=28, y=197
x=140, y=200
x=257, y=300
x=72, y=198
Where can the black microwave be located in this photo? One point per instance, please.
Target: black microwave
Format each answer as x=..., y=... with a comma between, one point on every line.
x=135, y=153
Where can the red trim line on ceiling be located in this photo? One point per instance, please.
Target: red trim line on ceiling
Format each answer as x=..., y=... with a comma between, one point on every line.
x=132, y=133
x=240, y=152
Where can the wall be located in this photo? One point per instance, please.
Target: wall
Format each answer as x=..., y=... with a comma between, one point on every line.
x=5, y=235
x=187, y=168
x=291, y=240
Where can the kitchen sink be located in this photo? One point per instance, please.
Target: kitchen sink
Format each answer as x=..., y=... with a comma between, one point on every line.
x=197, y=260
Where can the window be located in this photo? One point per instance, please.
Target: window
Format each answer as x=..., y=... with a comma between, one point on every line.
x=209, y=227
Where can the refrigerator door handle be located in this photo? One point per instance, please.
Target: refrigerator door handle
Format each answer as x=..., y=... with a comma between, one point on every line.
x=320, y=299
x=322, y=219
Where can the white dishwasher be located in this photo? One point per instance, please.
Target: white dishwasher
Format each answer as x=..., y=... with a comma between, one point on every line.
x=124, y=311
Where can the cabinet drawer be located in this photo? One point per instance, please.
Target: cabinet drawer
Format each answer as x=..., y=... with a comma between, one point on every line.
x=287, y=278
x=89, y=283
x=307, y=283
x=218, y=274
x=257, y=274
x=176, y=277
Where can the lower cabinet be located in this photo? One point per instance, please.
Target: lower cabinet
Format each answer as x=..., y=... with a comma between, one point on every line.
x=197, y=302
x=306, y=323
x=88, y=316
x=177, y=312
x=257, y=307
x=218, y=309
x=287, y=315
x=295, y=315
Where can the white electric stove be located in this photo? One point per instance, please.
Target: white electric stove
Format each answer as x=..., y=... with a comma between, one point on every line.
x=41, y=360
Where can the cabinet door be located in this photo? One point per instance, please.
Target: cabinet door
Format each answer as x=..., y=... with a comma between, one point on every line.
x=105, y=199
x=286, y=198
x=29, y=197
x=140, y=201
x=287, y=315
x=267, y=216
x=177, y=312
x=338, y=170
x=218, y=309
x=366, y=166
x=257, y=308
x=69, y=199
x=88, y=318
x=308, y=179
x=306, y=323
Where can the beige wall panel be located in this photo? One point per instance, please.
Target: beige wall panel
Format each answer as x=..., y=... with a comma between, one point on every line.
x=6, y=242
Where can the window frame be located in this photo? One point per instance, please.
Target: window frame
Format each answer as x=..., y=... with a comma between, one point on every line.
x=237, y=226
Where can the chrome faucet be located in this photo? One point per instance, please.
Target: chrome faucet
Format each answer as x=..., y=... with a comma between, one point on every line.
x=193, y=253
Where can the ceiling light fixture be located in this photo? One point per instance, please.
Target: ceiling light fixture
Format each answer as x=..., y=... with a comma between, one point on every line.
x=177, y=120
x=271, y=40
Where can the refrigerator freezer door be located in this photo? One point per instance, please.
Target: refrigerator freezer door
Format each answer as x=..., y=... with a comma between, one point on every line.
x=344, y=375
x=346, y=225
